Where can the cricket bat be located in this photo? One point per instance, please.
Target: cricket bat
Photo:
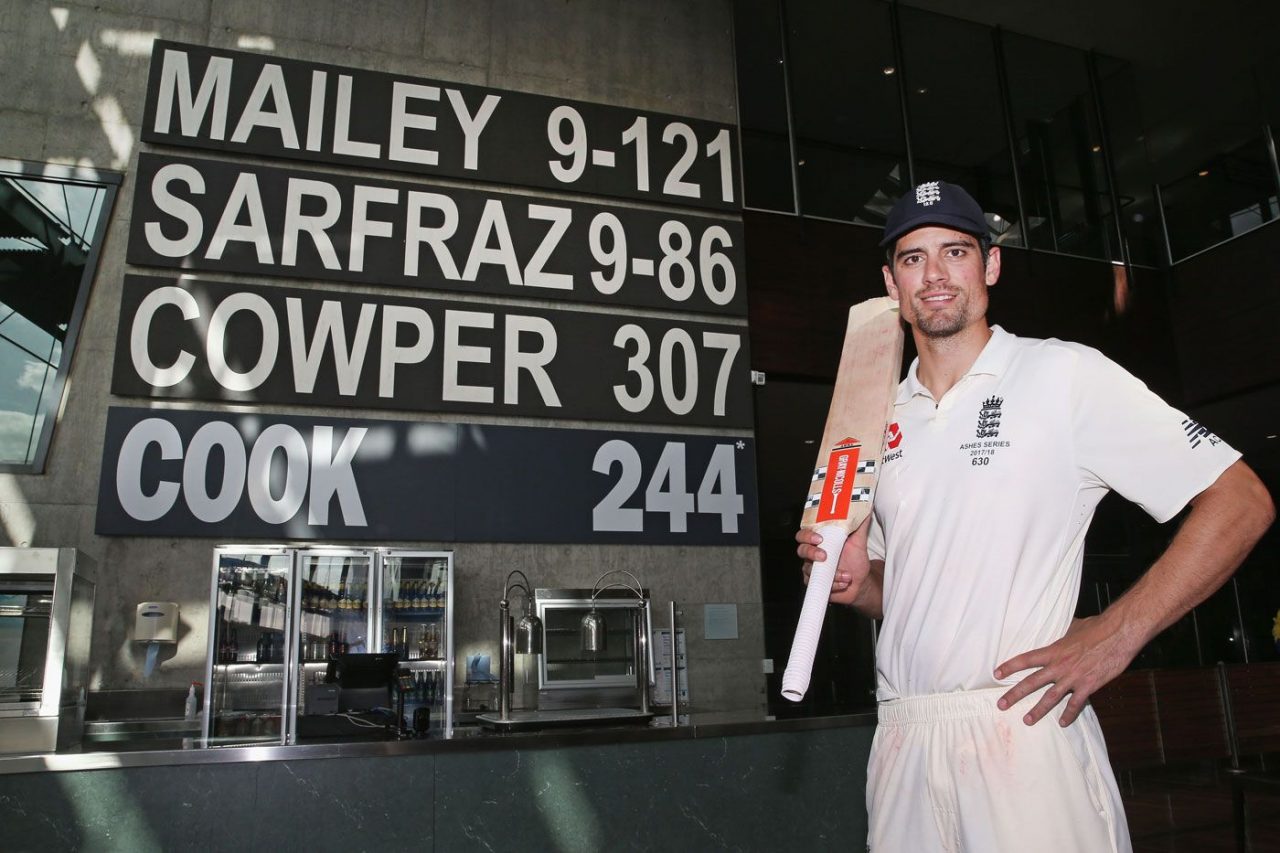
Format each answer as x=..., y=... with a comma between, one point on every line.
x=844, y=476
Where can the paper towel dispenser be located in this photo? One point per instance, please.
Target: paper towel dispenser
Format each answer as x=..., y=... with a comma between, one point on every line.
x=156, y=622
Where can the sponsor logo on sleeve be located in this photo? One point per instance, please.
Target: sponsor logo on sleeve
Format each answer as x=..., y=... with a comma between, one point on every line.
x=1197, y=433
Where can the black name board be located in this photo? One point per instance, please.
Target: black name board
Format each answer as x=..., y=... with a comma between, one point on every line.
x=251, y=475
x=196, y=214
x=227, y=100
x=195, y=339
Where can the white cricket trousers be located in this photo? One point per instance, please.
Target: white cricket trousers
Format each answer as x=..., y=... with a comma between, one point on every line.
x=952, y=772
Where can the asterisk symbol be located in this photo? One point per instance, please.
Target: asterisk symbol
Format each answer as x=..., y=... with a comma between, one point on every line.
x=742, y=445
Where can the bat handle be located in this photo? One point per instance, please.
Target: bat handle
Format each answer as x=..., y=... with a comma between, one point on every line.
x=795, y=678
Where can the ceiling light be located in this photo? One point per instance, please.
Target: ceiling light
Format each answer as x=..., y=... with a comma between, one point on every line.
x=1096, y=149
x=800, y=162
x=1203, y=172
x=996, y=217
x=1273, y=435
x=889, y=70
x=923, y=90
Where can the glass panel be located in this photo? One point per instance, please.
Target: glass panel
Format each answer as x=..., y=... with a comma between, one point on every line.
x=851, y=151
x=1059, y=154
x=1218, y=619
x=1135, y=181
x=335, y=606
x=415, y=614
x=958, y=131
x=246, y=698
x=24, y=639
x=762, y=106
x=1227, y=194
x=47, y=233
x=565, y=659
x=414, y=597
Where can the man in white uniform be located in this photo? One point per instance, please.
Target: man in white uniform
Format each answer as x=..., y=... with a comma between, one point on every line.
x=1000, y=449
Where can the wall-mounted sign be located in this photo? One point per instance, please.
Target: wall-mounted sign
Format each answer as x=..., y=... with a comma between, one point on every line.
x=194, y=339
x=196, y=214
x=241, y=475
x=226, y=100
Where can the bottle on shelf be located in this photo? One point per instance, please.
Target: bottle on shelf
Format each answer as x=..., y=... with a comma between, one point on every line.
x=192, y=704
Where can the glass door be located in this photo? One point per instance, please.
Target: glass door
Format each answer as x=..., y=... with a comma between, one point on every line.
x=247, y=676
x=335, y=616
x=25, y=608
x=415, y=622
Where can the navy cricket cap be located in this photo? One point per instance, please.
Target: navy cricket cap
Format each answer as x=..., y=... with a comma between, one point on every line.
x=934, y=203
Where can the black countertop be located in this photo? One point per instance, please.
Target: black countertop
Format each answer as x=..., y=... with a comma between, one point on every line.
x=465, y=739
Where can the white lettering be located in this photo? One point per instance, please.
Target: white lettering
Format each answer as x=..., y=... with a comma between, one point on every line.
x=329, y=472
x=206, y=507
x=472, y=125
x=175, y=81
x=178, y=208
x=534, y=275
x=415, y=233
x=136, y=503
x=362, y=226
x=315, y=116
x=493, y=222
x=342, y=142
x=271, y=509
x=332, y=474
x=216, y=343
x=401, y=119
x=140, y=333
x=314, y=224
x=245, y=194
x=455, y=354
x=533, y=362
x=270, y=82
x=347, y=362
x=393, y=353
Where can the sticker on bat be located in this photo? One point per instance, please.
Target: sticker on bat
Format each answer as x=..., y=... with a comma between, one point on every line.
x=836, y=491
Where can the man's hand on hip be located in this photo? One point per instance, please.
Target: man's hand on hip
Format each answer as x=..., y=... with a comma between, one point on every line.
x=1093, y=652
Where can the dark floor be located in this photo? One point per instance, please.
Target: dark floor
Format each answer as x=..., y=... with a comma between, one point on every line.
x=1191, y=813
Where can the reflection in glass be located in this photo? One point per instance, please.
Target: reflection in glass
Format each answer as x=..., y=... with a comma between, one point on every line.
x=1059, y=148
x=851, y=151
x=958, y=130
x=247, y=684
x=1139, y=210
x=762, y=106
x=47, y=233
x=1223, y=196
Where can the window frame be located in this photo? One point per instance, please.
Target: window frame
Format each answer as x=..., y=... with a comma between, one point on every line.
x=51, y=401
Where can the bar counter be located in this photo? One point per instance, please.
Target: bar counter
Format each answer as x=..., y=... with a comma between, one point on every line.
x=722, y=781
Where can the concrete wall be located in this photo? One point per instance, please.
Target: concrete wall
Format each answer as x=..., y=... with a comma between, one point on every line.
x=75, y=81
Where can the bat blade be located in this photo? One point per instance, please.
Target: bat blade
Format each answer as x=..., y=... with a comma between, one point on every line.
x=848, y=463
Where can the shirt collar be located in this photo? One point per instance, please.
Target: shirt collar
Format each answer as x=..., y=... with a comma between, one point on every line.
x=993, y=360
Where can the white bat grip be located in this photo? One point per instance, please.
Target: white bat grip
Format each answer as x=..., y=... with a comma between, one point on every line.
x=795, y=678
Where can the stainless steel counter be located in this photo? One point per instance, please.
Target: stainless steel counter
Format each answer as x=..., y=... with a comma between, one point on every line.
x=466, y=739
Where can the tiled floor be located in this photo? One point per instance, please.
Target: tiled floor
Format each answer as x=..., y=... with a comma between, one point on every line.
x=1192, y=814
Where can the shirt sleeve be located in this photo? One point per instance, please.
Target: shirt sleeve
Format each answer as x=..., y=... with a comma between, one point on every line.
x=1129, y=440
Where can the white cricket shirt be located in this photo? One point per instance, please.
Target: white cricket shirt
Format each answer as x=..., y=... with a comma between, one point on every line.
x=984, y=498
